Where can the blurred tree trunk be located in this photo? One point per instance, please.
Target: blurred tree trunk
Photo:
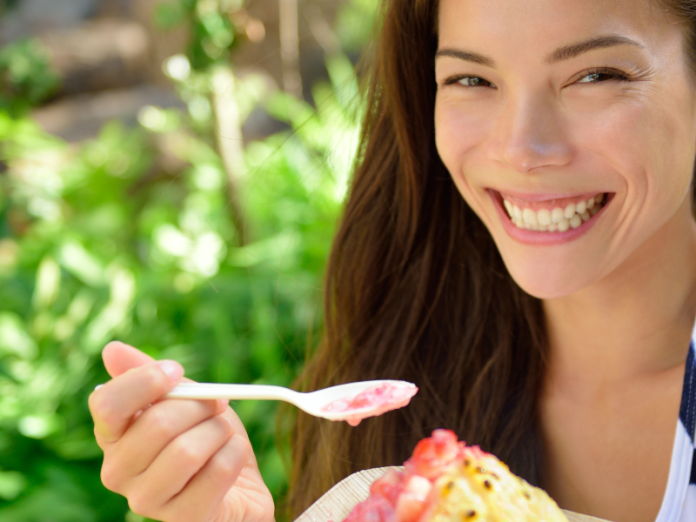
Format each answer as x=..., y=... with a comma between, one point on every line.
x=290, y=47
x=229, y=142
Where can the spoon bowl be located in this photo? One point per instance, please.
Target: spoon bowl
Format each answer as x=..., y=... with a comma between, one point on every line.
x=351, y=401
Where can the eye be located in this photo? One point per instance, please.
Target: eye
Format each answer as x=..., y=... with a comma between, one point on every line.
x=602, y=75
x=468, y=81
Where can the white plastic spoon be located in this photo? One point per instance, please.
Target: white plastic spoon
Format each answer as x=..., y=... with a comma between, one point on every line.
x=351, y=402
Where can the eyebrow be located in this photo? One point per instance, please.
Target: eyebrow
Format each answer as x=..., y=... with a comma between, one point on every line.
x=561, y=54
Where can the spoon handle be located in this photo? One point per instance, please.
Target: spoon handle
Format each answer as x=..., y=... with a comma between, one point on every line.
x=204, y=390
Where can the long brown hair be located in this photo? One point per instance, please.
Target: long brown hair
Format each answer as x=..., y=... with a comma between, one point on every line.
x=416, y=290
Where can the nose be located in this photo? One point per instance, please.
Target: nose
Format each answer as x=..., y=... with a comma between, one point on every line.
x=529, y=134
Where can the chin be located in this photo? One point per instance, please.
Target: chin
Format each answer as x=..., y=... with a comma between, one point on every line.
x=545, y=280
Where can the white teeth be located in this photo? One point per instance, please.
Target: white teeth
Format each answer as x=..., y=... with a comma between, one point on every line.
x=557, y=215
x=558, y=219
x=529, y=216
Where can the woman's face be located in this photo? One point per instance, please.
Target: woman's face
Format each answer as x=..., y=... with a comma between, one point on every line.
x=570, y=129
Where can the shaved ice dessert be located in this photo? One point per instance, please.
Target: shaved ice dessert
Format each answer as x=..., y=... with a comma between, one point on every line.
x=448, y=481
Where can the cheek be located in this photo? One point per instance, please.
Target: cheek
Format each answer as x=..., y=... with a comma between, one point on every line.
x=648, y=143
x=457, y=133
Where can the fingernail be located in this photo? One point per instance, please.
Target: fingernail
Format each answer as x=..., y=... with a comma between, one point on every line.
x=173, y=369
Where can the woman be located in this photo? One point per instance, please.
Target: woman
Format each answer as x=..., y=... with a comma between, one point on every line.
x=518, y=241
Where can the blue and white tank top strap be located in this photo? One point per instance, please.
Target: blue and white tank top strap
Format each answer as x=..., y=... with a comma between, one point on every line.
x=679, y=502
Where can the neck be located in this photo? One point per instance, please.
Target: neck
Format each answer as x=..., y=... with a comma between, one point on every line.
x=635, y=322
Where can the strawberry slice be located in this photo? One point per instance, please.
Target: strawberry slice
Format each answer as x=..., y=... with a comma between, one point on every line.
x=389, y=486
x=435, y=454
x=411, y=502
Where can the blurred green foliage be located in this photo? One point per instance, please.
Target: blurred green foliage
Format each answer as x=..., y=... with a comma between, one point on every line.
x=355, y=24
x=6, y=5
x=100, y=241
x=211, y=22
x=25, y=77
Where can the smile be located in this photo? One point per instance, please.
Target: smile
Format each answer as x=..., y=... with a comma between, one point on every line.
x=554, y=215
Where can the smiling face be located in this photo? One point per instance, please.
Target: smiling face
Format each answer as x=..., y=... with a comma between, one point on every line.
x=569, y=128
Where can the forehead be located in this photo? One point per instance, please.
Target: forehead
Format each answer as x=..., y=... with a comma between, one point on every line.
x=526, y=24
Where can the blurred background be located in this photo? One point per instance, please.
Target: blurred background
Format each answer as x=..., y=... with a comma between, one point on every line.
x=171, y=174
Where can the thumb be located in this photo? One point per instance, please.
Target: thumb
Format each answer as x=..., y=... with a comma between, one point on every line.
x=119, y=358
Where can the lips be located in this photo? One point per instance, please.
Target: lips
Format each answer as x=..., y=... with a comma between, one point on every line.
x=554, y=215
x=547, y=209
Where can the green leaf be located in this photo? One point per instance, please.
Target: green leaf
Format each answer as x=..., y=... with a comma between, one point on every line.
x=12, y=483
x=14, y=338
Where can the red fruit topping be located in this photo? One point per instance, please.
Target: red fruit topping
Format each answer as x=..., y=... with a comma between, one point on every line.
x=434, y=454
x=411, y=503
x=372, y=402
x=447, y=481
x=374, y=509
x=389, y=486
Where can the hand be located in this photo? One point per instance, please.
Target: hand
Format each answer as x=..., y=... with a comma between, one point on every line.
x=174, y=460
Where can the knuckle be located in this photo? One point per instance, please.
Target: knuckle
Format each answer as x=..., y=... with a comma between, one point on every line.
x=159, y=422
x=222, y=467
x=223, y=425
x=226, y=464
x=187, y=455
x=157, y=379
x=101, y=406
x=110, y=476
x=245, y=450
x=103, y=444
x=139, y=504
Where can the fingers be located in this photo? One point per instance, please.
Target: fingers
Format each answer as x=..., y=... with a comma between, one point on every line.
x=210, y=485
x=175, y=460
x=114, y=404
x=159, y=425
x=119, y=357
x=183, y=458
